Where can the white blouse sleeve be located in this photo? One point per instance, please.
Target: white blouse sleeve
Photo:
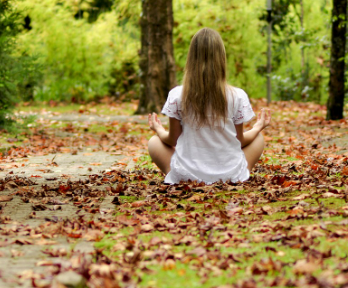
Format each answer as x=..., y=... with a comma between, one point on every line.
x=172, y=108
x=243, y=111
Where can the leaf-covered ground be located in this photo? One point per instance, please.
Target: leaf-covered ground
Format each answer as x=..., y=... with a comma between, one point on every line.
x=285, y=227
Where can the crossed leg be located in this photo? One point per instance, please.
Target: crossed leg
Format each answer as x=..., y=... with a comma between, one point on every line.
x=162, y=153
x=254, y=150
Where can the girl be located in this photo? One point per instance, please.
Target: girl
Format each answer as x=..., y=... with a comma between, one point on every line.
x=206, y=141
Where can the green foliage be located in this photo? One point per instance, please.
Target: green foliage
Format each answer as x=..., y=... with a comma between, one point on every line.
x=92, y=8
x=300, y=55
x=242, y=27
x=90, y=49
x=237, y=22
x=15, y=69
x=78, y=57
x=8, y=67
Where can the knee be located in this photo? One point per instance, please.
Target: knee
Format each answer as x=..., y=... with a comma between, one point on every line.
x=260, y=137
x=153, y=142
x=261, y=140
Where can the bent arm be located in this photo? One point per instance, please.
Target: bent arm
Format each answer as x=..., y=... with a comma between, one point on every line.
x=170, y=138
x=263, y=120
x=245, y=138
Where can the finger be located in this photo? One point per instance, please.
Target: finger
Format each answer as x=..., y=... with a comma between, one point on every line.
x=262, y=116
x=153, y=117
x=268, y=117
x=268, y=114
x=259, y=115
x=149, y=119
x=156, y=117
x=159, y=120
x=151, y=124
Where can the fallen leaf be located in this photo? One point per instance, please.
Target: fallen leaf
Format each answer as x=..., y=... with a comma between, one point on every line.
x=301, y=197
x=5, y=198
x=147, y=228
x=304, y=267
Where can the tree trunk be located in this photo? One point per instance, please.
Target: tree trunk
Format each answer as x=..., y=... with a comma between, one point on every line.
x=156, y=63
x=337, y=63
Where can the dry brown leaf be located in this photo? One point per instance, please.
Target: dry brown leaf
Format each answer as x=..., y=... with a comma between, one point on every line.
x=267, y=209
x=94, y=235
x=44, y=263
x=330, y=195
x=234, y=211
x=16, y=253
x=139, y=204
x=169, y=264
x=304, y=267
x=301, y=197
x=6, y=198
x=147, y=228
x=194, y=198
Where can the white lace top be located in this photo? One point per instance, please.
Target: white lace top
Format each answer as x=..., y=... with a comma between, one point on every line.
x=209, y=154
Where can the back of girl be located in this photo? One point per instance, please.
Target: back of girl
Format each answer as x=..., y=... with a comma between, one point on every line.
x=205, y=141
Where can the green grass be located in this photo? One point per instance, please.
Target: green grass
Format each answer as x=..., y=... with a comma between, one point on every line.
x=145, y=161
x=187, y=273
x=102, y=109
x=95, y=128
x=182, y=275
x=41, y=108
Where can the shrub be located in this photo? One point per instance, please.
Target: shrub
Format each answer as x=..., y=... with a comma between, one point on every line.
x=79, y=58
x=87, y=54
x=15, y=69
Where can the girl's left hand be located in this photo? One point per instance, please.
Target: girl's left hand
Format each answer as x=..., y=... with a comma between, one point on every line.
x=263, y=119
x=155, y=123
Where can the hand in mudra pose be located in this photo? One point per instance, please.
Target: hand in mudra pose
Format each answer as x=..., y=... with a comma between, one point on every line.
x=155, y=123
x=263, y=119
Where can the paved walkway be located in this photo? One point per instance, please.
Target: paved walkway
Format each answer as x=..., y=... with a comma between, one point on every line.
x=21, y=254
x=23, y=259
x=93, y=117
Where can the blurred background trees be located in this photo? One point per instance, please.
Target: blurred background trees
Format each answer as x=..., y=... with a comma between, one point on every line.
x=17, y=70
x=88, y=49
x=157, y=64
x=337, y=89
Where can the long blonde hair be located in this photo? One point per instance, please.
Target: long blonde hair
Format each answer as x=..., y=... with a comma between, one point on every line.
x=204, y=84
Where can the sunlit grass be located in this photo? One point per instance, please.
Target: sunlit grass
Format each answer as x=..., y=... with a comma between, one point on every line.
x=182, y=273
x=125, y=108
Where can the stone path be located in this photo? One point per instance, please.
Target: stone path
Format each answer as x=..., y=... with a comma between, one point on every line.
x=41, y=170
x=50, y=169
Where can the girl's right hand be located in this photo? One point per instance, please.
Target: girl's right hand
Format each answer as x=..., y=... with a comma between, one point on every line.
x=263, y=119
x=155, y=123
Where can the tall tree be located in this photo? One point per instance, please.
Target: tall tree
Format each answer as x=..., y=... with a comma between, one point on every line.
x=156, y=56
x=337, y=64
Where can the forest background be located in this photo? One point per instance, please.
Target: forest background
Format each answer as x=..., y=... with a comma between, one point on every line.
x=85, y=176
x=84, y=50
